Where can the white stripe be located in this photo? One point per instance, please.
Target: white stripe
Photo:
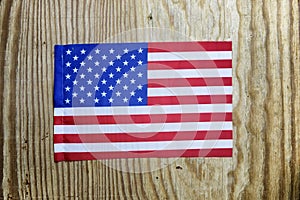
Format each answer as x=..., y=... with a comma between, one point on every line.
x=184, y=91
x=191, y=55
x=135, y=110
x=142, y=146
x=137, y=128
x=190, y=73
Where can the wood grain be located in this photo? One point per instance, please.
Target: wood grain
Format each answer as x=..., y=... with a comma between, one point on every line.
x=266, y=77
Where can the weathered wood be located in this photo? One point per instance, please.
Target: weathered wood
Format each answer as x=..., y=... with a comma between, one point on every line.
x=266, y=77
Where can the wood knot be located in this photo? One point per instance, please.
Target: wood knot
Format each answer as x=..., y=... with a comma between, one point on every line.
x=150, y=16
x=179, y=167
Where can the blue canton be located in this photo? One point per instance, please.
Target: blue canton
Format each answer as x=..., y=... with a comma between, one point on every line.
x=103, y=75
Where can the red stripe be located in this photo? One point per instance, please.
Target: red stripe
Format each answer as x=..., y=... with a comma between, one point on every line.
x=203, y=99
x=186, y=82
x=225, y=152
x=137, y=119
x=188, y=46
x=192, y=64
x=142, y=137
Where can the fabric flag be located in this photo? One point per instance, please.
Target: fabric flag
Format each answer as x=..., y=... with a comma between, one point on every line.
x=143, y=100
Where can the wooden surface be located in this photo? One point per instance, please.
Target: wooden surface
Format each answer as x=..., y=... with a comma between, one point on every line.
x=266, y=75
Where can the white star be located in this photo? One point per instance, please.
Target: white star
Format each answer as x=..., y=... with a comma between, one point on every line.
x=97, y=75
x=140, y=75
x=125, y=100
x=118, y=57
x=67, y=101
x=97, y=63
x=125, y=87
x=103, y=94
x=140, y=50
x=82, y=64
x=132, y=93
x=89, y=82
x=67, y=89
x=118, y=94
x=111, y=75
x=132, y=56
x=110, y=87
x=82, y=76
x=75, y=57
x=96, y=88
x=118, y=69
x=132, y=81
x=83, y=51
x=111, y=63
x=125, y=75
x=90, y=57
x=132, y=69
x=97, y=51
x=104, y=57
x=89, y=69
x=68, y=76
x=68, y=64
x=140, y=99
x=74, y=94
x=81, y=100
x=82, y=88
x=111, y=51
x=89, y=94
x=140, y=62
x=125, y=50
x=110, y=100
x=139, y=86
x=68, y=52
x=125, y=63
x=103, y=69
x=103, y=82
x=118, y=81
x=75, y=70
x=96, y=100
x=75, y=82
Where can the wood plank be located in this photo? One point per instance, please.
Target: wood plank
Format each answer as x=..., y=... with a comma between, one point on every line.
x=266, y=99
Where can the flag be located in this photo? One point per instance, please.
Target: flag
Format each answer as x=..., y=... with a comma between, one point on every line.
x=143, y=100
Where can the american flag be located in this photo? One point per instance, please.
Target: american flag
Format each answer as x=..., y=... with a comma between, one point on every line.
x=143, y=100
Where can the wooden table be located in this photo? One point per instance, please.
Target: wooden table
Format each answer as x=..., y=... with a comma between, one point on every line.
x=266, y=115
